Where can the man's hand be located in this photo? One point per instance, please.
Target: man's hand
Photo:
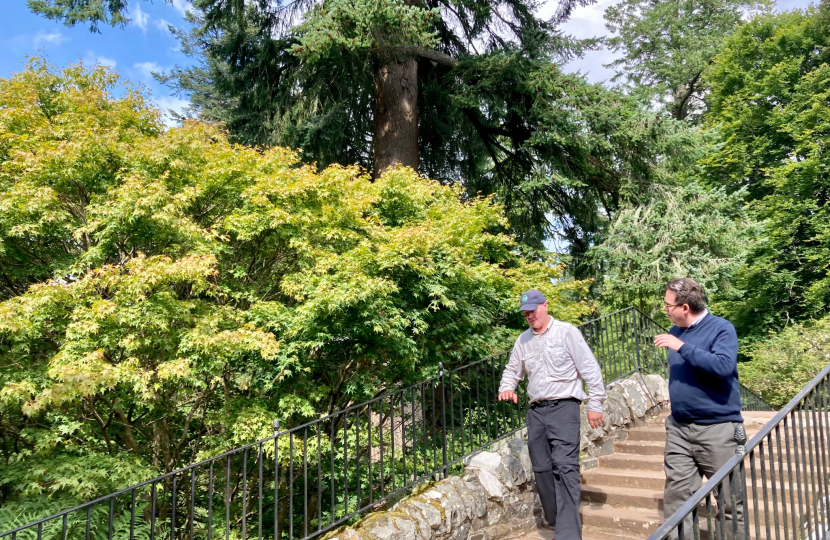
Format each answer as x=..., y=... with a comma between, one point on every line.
x=667, y=340
x=594, y=419
x=508, y=395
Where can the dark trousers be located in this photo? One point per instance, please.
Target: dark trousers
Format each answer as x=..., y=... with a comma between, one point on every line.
x=553, y=443
x=694, y=450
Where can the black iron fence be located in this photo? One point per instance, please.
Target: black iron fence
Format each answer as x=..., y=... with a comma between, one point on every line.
x=623, y=343
x=776, y=487
x=750, y=401
x=310, y=478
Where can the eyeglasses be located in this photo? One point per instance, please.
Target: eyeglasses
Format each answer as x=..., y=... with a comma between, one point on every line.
x=665, y=305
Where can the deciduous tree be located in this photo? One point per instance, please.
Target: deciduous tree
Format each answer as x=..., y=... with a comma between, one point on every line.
x=168, y=294
x=769, y=104
x=667, y=45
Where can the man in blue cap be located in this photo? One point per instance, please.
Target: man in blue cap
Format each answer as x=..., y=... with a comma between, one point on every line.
x=554, y=356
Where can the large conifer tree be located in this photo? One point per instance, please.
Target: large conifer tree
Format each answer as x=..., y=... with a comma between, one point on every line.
x=468, y=91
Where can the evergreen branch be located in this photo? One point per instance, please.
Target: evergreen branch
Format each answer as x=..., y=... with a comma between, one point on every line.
x=430, y=54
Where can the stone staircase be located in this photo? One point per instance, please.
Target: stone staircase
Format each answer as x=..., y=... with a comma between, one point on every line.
x=622, y=497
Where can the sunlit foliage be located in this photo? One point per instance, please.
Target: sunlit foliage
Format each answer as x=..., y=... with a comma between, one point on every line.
x=166, y=294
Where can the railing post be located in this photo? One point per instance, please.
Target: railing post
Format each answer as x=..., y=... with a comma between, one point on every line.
x=277, y=535
x=636, y=339
x=477, y=430
x=443, y=418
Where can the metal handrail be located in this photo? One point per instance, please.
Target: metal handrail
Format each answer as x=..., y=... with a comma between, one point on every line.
x=734, y=472
x=450, y=414
x=750, y=400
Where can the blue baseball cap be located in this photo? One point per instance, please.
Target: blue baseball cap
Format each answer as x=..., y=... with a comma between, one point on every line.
x=531, y=299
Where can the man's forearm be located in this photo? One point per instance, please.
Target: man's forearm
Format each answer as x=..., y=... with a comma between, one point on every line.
x=721, y=364
x=594, y=404
x=508, y=382
x=511, y=375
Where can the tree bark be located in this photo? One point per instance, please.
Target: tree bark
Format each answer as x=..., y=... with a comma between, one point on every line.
x=682, y=95
x=396, y=115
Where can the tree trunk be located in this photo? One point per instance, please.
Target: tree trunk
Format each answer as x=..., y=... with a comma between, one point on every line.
x=396, y=115
x=684, y=91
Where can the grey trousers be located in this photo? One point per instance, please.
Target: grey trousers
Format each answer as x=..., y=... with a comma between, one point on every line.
x=694, y=450
x=553, y=443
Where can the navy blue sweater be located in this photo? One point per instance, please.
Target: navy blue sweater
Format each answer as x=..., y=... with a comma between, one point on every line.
x=703, y=374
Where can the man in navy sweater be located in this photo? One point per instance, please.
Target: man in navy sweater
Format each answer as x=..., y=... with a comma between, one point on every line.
x=705, y=399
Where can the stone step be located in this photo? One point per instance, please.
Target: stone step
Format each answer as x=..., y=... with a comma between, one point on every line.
x=780, y=534
x=748, y=416
x=651, y=499
x=613, y=528
x=798, y=471
x=651, y=434
x=757, y=417
x=594, y=533
x=645, y=448
x=599, y=533
x=588, y=533
x=623, y=497
x=788, y=448
x=654, y=462
x=629, y=522
x=624, y=478
x=658, y=434
x=632, y=462
x=752, y=419
x=655, y=480
x=807, y=492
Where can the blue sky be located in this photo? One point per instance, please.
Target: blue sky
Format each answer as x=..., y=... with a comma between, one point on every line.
x=588, y=22
x=145, y=45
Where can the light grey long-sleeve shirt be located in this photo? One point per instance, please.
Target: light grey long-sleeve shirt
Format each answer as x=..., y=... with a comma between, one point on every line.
x=554, y=361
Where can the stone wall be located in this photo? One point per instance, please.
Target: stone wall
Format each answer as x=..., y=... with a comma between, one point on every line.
x=631, y=403
x=494, y=497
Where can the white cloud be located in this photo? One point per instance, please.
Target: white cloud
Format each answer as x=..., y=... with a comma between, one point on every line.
x=789, y=5
x=182, y=6
x=91, y=59
x=104, y=61
x=146, y=70
x=139, y=17
x=592, y=65
x=170, y=103
x=163, y=25
x=53, y=38
x=586, y=22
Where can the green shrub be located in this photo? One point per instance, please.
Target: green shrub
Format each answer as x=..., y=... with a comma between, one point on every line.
x=784, y=363
x=166, y=295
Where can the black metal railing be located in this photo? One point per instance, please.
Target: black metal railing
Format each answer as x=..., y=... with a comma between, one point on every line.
x=310, y=478
x=778, y=484
x=623, y=343
x=750, y=401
